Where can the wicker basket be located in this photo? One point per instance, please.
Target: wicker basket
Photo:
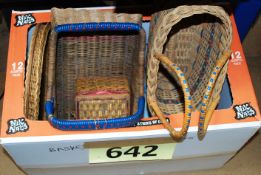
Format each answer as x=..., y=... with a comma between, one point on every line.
x=34, y=86
x=86, y=43
x=102, y=97
x=193, y=44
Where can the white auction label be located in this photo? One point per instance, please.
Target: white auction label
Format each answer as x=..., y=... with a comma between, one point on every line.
x=132, y=153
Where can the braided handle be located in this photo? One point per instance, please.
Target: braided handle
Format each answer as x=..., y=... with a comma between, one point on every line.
x=177, y=135
x=206, y=109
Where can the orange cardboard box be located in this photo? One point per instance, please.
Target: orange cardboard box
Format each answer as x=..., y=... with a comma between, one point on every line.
x=39, y=148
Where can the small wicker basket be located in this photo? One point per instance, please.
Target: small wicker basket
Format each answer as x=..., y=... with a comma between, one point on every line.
x=87, y=43
x=193, y=44
x=102, y=97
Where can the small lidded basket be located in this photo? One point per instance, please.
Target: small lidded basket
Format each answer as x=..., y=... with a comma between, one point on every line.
x=102, y=97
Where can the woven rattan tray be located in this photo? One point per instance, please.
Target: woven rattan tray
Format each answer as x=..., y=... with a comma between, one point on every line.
x=34, y=71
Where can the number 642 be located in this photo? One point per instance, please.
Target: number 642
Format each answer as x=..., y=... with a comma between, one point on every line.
x=134, y=151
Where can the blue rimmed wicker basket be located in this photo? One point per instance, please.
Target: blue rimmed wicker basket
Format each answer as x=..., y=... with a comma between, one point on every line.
x=86, y=43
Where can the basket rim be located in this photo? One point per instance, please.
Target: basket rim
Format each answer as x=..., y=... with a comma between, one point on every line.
x=36, y=56
x=91, y=124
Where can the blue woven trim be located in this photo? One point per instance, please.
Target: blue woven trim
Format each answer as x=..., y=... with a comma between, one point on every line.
x=94, y=124
x=102, y=26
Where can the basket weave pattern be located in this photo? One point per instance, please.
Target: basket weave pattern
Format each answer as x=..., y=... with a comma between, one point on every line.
x=102, y=97
x=72, y=16
x=34, y=71
x=93, y=53
x=191, y=50
x=195, y=38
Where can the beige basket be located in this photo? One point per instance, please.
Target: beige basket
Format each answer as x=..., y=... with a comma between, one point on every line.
x=87, y=43
x=84, y=43
x=194, y=43
x=86, y=54
x=102, y=97
x=34, y=72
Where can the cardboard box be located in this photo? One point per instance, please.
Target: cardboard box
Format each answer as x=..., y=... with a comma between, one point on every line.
x=38, y=148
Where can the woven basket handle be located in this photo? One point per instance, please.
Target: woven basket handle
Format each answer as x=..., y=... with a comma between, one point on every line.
x=177, y=135
x=206, y=109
